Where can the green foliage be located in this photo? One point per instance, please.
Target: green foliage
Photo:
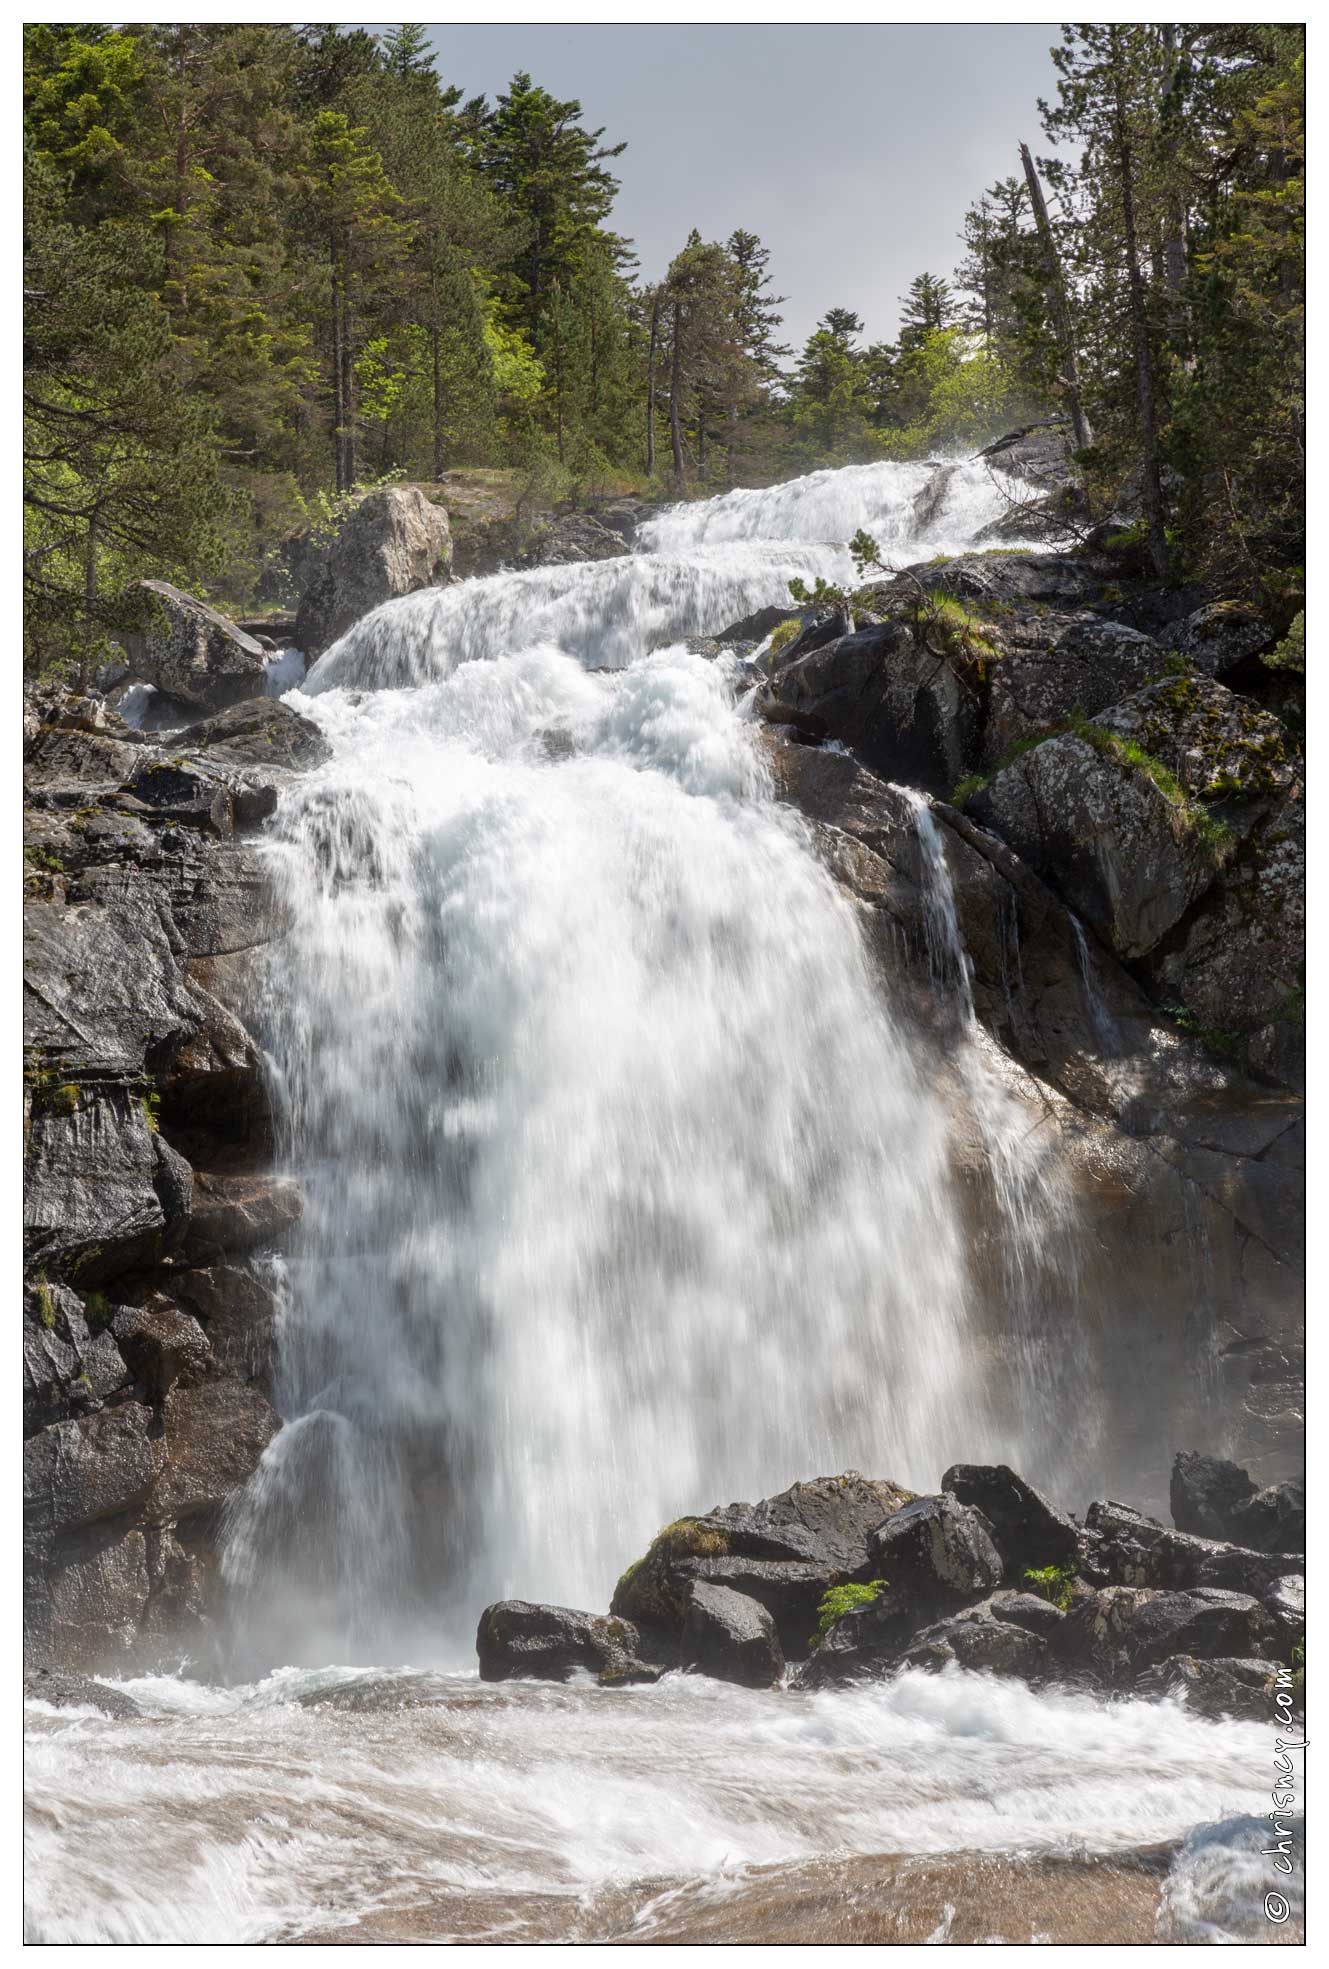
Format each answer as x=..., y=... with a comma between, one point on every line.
x=840, y=1600
x=1053, y=1583
x=150, y=1102
x=1290, y=653
x=783, y=634
x=45, y=1303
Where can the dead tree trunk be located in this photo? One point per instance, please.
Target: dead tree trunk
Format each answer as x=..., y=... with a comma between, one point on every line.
x=675, y=391
x=650, y=386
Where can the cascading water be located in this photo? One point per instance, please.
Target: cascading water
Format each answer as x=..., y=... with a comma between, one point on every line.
x=626, y=1192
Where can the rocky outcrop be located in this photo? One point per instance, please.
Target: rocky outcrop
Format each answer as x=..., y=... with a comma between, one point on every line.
x=191, y=652
x=1219, y=1500
x=847, y=1580
x=147, y=1319
x=394, y=542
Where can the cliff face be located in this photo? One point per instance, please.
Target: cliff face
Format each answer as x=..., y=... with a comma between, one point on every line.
x=148, y=1312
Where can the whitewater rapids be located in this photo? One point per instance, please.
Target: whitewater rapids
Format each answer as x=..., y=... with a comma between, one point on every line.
x=396, y=1807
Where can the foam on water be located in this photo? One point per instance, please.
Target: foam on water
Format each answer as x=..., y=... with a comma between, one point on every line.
x=544, y=1812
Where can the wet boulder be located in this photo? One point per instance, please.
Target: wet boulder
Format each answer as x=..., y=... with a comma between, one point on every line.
x=521, y=1638
x=1115, y=1634
x=1006, y=1634
x=1285, y=1604
x=825, y=1519
x=936, y=1551
x=784, y=1551
x=882, y=692
x=393, y=543
x=755, y=628
x=1218, y=1499
x=192, y=652
x=1024, y=1527
x=791, y=1591
x=1133, y=1550
x=240, y=1213
x=261, y=731
x=984, y=1638
x=731, y=1636
x=65, y=1691
x=1227, y=1687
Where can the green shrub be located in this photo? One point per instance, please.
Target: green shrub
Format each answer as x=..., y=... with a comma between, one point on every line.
x=839, y=1601
x=783, y=634
x=45, y=1303
x=1053, y=1583
x=1290, y=654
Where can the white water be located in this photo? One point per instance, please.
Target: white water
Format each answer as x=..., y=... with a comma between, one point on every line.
x=441, y=1809
x=626, y=1191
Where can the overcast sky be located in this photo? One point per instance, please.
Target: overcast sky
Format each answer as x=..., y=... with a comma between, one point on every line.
x=852, y=151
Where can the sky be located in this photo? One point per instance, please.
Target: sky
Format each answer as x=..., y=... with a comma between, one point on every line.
x=852, y=151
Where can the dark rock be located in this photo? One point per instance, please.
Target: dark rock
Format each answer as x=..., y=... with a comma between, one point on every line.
x=1123, y=852
x=216, y=1433
x=1091, y=665
x=791, y=1591
x=1220, y=1500
x=731, y=1637
x=67, y=1369
x=240, y=1213
x=1275, y=1519
x=755, y=628
x=573, y=537
x=192, y=652
x=162, y=1345
x=77, y=1472
x=1225, y=1687
x=783, y=1551
x=517, y=1637
x=978, y=1639
x=1025, y=1528
x=177, y=792
x=864, y=1644
x=84, y=1609
x=826, y=1520
x=394, y=542
x=65, y=1691
x=239, y=1315
x=1237, y=961
x=1221, y=639
x=884, y=695
x=1285, y=1604
x=1121, y=1631
x=1133, y=1550
x=936, y=1550
x=262, y=731
x=1037, y=453
x=1006, y=1634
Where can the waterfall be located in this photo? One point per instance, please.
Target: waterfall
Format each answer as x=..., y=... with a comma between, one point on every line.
x=627, y=1190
